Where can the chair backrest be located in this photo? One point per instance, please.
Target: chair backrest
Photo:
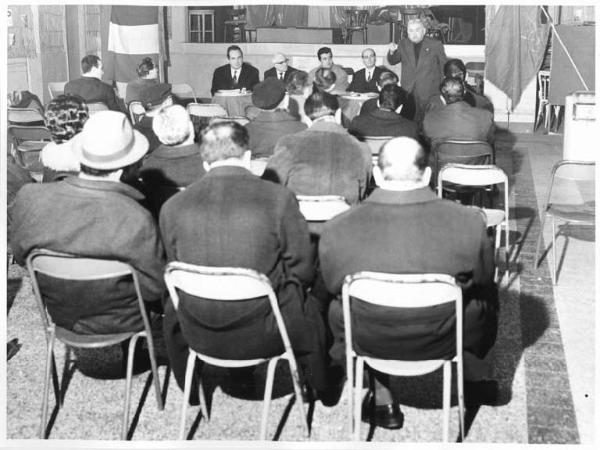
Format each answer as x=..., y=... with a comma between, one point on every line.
x=223, y=284
x=70, y=267
x=23, y=116
x=356, y=18
x=320, y=208
x=56, y=88
x=136, y=111
x=572, y=182
x=94, y=107
x=183, y=90
x=460, y=151
x=206, y=110
x=376, y=142
x=399, y=291
x=238, y=15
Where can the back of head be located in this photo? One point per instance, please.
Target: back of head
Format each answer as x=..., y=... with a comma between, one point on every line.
x=320, y=104
x=324, y=79
x=455, y=68
x=268, y=94
x=297, y=82
x=88, y=62
x=452, y=89
x=172, y=125
x=65, y=116
x=145, y=67
x=403, y=159
x=387, y=77
x=391, y=97
x=222, y=141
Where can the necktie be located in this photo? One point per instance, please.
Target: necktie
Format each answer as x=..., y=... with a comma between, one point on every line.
x=368, y=76
x=235, y=77
x=281, y=75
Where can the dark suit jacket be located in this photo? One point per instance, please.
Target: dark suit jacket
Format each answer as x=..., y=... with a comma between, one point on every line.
x=408, y=110
x=382, y=122
x=422, y=79
x=93, y=90
x=273, y=73
x=266, y=129
x=359, y=81
x=459, y=121
x=222, y=78
x=232, y=218
x=412, y=232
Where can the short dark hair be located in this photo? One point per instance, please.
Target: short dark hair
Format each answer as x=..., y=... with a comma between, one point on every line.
x=145, y=67
x=454, y=64
x=453, y=90
x=223, y=140
x=392, y=96
x=64, y=116
x=324, y=51
x=234, y=47
x=387, y=77
x=320, y=104
x=324, y=78
x=89, y=61
x=95, y=172
x=297, y=82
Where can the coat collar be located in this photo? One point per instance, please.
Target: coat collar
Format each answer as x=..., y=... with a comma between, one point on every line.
x=389, y=197
x=274, y=116
x=224, y=171
x=330, y=127
x=167, y=152
x=105, y=186
x=384, y=114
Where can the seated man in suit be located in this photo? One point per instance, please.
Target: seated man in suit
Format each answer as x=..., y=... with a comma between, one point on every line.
x=95, y=214
x=385, y=121
x=176, y=162
x=233, y=218
x=365, y=80
x=388, y=77
x=147, y=89
x=403, y=227
x=280, y=70
x=90, y=86
x=326, y=62
x=455, y=68
x=324, y=159
x=273, y=120
x=236, y=74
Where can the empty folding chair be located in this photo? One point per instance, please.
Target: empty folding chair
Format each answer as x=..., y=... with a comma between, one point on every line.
x=24, y=116
x=184, y=91
x=26, y=143
x=206, y=110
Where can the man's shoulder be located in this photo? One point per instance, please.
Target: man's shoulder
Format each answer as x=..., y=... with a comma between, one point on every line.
x=249, y=67
x=222, y=68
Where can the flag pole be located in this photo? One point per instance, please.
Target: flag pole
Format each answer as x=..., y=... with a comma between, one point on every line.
x=565, y=49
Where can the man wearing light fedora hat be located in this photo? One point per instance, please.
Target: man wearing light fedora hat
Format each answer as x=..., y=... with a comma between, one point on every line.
x=97, y=215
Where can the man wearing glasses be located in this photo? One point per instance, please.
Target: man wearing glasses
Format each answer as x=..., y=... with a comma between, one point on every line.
x=365, y=80
x=280, y=70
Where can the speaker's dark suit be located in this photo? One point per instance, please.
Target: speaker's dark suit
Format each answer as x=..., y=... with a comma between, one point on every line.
x=360, y=83
x=222, y=79
x=272, y=73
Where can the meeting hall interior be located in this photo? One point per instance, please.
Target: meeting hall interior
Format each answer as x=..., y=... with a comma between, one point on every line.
x=309, y=224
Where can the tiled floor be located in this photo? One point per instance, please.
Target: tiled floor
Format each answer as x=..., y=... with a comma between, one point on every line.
x=544, y=356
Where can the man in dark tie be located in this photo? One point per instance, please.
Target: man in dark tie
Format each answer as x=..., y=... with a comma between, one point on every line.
x=280, y=70
x=365, y=80
x=236, y=74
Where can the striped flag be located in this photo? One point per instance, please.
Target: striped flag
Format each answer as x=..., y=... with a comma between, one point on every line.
x=133, y=34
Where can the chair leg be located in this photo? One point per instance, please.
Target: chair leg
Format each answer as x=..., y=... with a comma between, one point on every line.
x=350, y=393
x=267, y=398
x=298, y=393
x=497, y=250
x=203, y=404
x=187, y=387
x=553, y=268
x=129, y=376
x=357, y=393
x=49, y=362
x=446, y=400
x=460, y=387
x=154, y=367
x=539, y=241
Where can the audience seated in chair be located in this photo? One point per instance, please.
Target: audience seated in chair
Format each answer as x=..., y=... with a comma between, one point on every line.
x=386, y=233
x=65, y=116
x=385, y=78
x=324, y=159
x=385, y=121
x=97, y=215
x=231, y=218
x=273, y=121
x=147, y=89
x=176, y=163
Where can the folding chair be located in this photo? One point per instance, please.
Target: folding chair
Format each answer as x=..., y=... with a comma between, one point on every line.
x=400, y=291
x=56, y=88
x=572, y=201
x=26, y=144
x=94, y=107
x=231, y=284
x=136, y=112
x=375, y=143
x=183, y=90
x=482, y=175
x=206, y=110
x=74, y=268
x=24, y=116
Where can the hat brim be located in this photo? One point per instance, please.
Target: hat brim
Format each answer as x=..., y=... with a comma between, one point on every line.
x=138, y=150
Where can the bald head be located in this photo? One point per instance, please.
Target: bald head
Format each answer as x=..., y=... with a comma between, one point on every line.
x=403, y=159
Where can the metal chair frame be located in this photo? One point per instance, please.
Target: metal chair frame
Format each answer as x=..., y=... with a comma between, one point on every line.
x=136, y=111
x=321, y=208
x=488, y=157
x=56, y=88
x=231, y=284
x=549, y=209
x=71, y=267
x=206, y=110
x=401, y=291
x=356, y=21
x=28, y=140
x=179, y=89
x=23, y=116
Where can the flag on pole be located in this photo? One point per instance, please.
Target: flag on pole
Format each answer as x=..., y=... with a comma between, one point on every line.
x=515, y=43
x=133, y=34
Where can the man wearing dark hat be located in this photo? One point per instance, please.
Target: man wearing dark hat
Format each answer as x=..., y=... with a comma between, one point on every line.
x=95, y=214
x=273, y=120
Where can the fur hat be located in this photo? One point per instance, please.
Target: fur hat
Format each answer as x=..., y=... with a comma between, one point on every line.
x=268, y=94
